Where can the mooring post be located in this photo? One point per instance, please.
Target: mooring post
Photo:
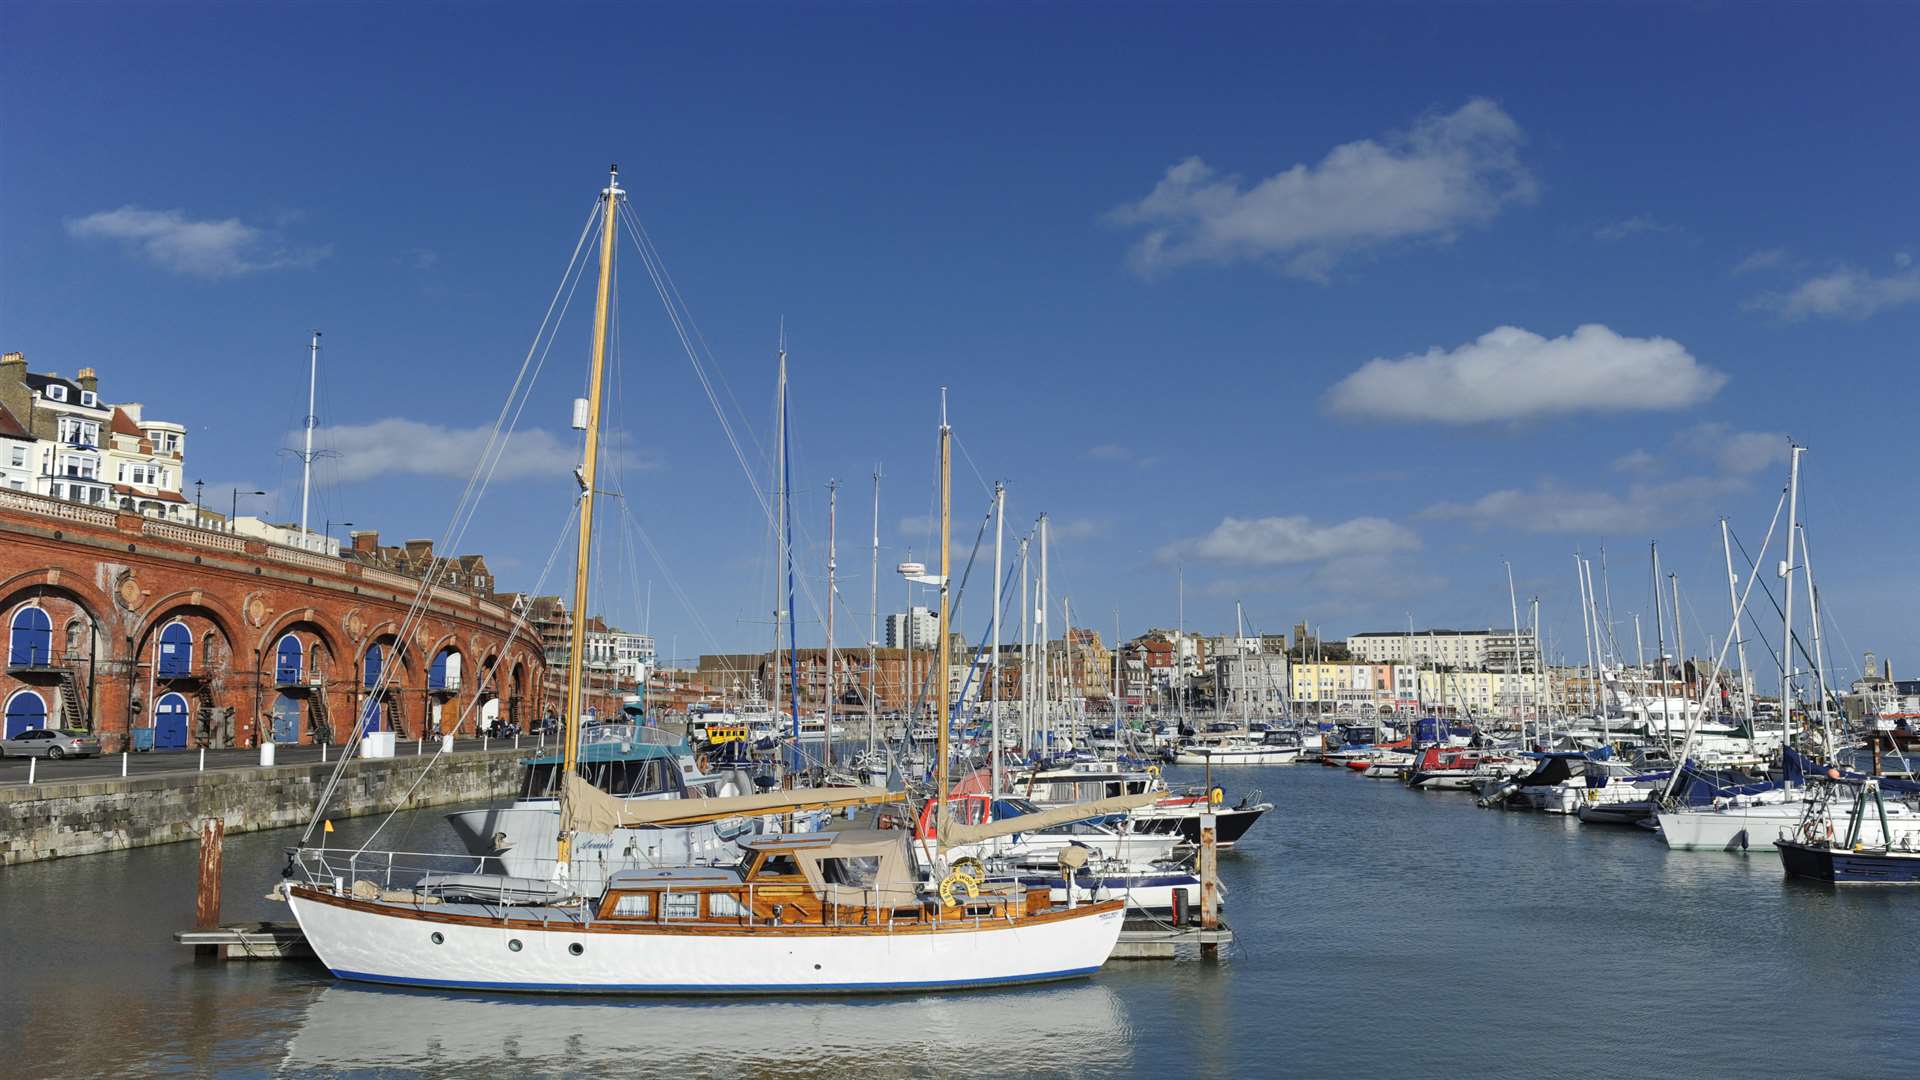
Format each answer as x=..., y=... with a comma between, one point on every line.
x=123, y=764
x=33, y=764
x=203, y=759
x=1209, y=884
x=206, y=897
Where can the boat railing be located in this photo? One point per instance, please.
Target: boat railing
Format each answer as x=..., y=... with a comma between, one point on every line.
x=343, y=870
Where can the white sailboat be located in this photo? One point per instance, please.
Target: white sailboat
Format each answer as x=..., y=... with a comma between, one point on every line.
x=842, y=910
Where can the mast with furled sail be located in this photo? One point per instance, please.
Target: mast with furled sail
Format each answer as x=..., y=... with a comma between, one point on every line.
x=570, y=730
x=940, y=673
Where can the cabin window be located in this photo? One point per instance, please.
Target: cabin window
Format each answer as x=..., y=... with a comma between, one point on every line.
x=778, y=866
x=724, y=906
x=680, y=905
x=1113, y=790
x=633, y=905
x=859, y=872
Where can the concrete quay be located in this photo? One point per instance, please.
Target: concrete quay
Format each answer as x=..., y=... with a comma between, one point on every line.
x=83, y=807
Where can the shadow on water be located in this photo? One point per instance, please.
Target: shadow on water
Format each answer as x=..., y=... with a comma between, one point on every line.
x=1380, y=932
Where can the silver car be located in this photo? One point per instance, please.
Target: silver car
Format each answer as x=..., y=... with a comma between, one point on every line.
x=51, y=743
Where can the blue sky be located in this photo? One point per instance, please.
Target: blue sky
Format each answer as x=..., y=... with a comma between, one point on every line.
x=1336, y=308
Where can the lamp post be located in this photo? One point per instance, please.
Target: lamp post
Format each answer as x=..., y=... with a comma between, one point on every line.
x=234, y=510
x=328, y=531
x=199, y=504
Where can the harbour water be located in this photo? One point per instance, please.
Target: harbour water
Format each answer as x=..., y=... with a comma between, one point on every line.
x=1381, y=932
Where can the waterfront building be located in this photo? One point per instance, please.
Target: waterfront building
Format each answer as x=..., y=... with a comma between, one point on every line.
x=1466, y=649
x=1248, y=678
x=146, y=463
x=150, y=631
x=915, y=628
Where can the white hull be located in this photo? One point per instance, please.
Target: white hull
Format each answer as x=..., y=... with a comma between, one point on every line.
x=371, y=943
x=1743, y=828
x=1278, y=756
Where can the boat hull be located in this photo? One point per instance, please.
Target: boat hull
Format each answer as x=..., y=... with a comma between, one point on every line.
x=1842, y=867
x=1749, y=828
x=367, y=941
x=1279, y=756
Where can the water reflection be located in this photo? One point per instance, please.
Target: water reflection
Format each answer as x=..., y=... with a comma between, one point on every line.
x=1067, y=1030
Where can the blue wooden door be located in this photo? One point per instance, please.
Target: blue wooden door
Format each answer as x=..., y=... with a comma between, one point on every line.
x=286, y=662
x=176, y=650
x=30, y=641
x=170, y=723
x=373, y=715
x=286, y=719
x=25, y=710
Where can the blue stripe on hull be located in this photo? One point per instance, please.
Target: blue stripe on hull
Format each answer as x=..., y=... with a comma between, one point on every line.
x=698, y=988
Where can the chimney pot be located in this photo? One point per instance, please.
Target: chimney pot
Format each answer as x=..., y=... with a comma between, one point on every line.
x=88, y=379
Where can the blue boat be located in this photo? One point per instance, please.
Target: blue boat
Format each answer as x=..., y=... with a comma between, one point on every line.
x=1858, y=857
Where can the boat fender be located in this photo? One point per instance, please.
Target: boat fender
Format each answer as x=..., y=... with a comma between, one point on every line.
x=1217, y=796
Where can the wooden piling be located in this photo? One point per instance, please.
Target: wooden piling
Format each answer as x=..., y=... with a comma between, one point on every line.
x=206, y=897
x=1209, y=883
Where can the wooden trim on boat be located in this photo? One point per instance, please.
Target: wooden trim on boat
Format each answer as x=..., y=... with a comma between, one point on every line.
x=883, y=922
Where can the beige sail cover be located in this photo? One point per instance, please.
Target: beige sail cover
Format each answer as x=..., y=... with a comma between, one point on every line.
x=588, y=809
x=1059, y=815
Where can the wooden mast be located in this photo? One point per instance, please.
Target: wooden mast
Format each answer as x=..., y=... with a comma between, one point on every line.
x=570, y=738
x=940, y=673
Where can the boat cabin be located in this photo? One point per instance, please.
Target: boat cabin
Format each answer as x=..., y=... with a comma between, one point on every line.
x=850, y=877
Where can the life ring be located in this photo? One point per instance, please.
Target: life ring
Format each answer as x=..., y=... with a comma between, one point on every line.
x=954, y=882
x=1153, y=771
x=970, y=868
x=1217, y=796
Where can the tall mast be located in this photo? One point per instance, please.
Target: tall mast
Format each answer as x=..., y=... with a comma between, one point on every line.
x=1026, y=654
x=1066, y=645
x=306, y=458
x=1586, y=619
x=576, y=653
x=1739, y=632
x=1660, y=653
x=1680, y=638
x=1819, y=650
x=786, y=542
x=999, y=537
x=1040, y=630
x=833, y=555
x=1239, y=643
x=940, y=678
x=1786, y=611
x=1513, y=656
x=1180, y=635
x=1606, y=586
x=873, y=614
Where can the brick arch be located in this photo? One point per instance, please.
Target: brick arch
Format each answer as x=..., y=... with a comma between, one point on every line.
x=284, y=622
x=167, y=608
x=77, y=591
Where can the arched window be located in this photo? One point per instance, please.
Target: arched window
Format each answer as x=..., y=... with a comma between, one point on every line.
x=176, y=649
x=286, y=660
x=26, y=710
x=371, y=666
x=445, y=672
x=30, y=642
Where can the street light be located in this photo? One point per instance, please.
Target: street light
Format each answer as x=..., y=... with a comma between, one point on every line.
x=199, y=505
x=328, y=531
x=234, y=511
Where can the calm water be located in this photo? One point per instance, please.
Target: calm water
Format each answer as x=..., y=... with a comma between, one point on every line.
x=1382, y=932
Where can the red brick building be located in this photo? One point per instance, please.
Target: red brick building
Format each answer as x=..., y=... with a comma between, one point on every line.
x=195, y=637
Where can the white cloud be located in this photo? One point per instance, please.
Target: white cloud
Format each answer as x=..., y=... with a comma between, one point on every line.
x=918, y=525
x=1514, y=374
x=1635, y=461
x=1550, y=508
x=1845, y=293
x=1109, y=452
x=1448, y=172
x=1766, y=259
x=397, y=446
x=1075, y=528
x=1902, y=259
x=1735, y=453
x=207, y=249
x=1277, y=541
x=1634, y=226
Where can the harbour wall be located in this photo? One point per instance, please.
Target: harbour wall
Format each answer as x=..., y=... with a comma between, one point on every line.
x=85, y=817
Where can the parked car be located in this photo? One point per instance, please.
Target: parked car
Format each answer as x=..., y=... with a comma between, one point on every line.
x=52, y=743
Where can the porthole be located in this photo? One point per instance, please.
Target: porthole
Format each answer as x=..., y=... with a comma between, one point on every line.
x=576, y=948
x=438, y=938
x=513, y=944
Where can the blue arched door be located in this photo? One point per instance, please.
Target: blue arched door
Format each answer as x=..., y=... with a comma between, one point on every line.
x=25, y=710
x=286, y=718
x=373, y=664
x=373, y=714
x=30, y=639
x=286, y=661
x=170, y=723
x=176, y=650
